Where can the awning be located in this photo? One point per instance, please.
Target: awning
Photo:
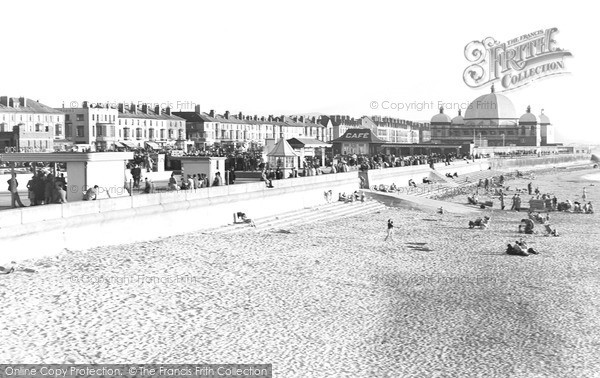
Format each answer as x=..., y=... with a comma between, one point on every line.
x=129, y=144
x=153, y=145
x=307, y=143
x=120, y=145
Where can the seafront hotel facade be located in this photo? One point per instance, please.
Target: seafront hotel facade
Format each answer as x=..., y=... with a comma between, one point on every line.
x=27, y=125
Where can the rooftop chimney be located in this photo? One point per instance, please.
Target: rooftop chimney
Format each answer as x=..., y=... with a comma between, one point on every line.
x=85, y=104
x=212, y=113
x=4, y=100
x=301, y=119
x=227, y=114
x=168, y=110
x=157, y=109
x=22, y=102
x=133, y=108
x=240, y=115
x=121, y=108
x=197, y=109
x=145, y=108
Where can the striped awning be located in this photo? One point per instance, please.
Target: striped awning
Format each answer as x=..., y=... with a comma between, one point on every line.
x=153, y=145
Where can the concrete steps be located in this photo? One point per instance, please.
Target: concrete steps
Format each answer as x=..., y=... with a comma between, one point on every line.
x=320, y=213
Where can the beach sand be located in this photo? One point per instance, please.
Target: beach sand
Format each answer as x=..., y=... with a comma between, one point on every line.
x=328, y=299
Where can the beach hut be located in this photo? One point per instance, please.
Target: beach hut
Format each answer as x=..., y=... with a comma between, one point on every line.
x=282, y=156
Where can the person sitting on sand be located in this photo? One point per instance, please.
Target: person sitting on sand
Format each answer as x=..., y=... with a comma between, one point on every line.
x=549, y=230
x=526, y=226
x=393, y=187
x=515, y=250
x=535, y=216
x=245, y=219
x=588, y=208
x=520, y=249
x=473, y=199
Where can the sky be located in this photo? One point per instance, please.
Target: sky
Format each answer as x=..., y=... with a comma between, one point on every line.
x=291, y=57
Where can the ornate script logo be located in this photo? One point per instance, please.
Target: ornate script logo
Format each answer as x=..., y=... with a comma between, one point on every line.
x=515, y=63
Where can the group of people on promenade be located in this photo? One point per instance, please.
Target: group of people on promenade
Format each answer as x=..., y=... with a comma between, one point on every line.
x=43, y=188
x=198, y=181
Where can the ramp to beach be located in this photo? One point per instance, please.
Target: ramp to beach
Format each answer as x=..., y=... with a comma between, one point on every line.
x=411, y=202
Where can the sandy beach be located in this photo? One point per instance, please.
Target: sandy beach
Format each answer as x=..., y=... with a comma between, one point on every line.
x=328, y=299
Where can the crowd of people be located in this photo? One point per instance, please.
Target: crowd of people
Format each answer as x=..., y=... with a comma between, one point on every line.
x=521, y=153
x=43, y=188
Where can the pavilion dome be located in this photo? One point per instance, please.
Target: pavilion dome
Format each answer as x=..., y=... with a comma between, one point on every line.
x=441, y=117
x=458, y=120
x=544, y=118
x=529, y=117
x=491, y=106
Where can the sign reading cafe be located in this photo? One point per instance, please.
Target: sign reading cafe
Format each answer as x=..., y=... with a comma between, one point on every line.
x=515, y=63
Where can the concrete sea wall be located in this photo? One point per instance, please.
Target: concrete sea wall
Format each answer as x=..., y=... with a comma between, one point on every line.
x=46, y=230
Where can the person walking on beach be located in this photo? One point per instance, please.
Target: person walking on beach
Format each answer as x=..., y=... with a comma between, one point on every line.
x=13, y=185
x=502, y=201
x=584, y=196
x=390, y=230
x=529, y=187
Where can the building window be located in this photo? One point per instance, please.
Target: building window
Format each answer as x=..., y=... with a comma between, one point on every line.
x=67, y=117
x=80, y=133
x=93, y=117
x=80, y=117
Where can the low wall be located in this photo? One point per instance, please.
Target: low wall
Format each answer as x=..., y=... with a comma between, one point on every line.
x=38, y=231
x=537, y=162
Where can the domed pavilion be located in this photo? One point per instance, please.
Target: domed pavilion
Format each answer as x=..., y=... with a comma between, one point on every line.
x=490, y=120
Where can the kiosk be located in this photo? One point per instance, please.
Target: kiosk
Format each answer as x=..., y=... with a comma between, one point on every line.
x=209, y=165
